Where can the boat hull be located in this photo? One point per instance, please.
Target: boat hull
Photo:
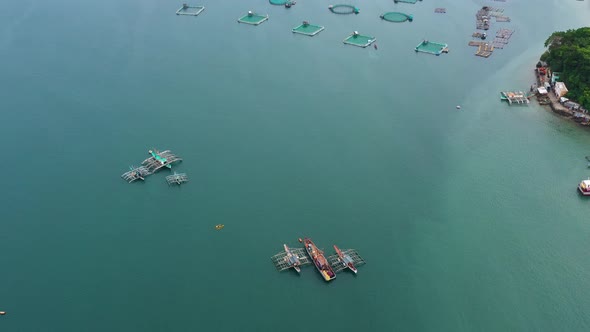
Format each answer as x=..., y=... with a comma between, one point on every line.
x=320, y=262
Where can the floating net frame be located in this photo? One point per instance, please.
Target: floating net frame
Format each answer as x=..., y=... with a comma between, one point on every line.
x=431, y=47
x=343, y=9
x=440, y=10
x=308, y=29
x=406, y=1
x=190, y=10
x=359, y=40
x=397, y=17
x=252, y=19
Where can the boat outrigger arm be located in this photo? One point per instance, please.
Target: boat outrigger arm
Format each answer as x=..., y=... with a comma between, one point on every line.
x=160, y=159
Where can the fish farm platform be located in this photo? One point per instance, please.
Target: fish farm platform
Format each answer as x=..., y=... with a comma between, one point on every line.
x=308, y=29
x=136, y=173
x=190, y=10
x=166, y=159
x=337, y=266
x=177, y=178
x=514, y=97
x=359, y=40
x=397, y=17
x=281, y=264
x=431, y=47
x=252, y=19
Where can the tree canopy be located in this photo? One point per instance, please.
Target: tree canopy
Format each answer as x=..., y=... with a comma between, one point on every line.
x=568, y=52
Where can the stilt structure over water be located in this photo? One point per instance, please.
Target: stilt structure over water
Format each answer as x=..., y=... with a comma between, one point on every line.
x=159, y=160
x=282, y=264
x=135, y=173
x=177, y=178
x=337, y=265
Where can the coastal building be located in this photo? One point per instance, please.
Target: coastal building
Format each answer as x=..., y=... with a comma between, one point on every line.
x=560, y=89
x=554, y=77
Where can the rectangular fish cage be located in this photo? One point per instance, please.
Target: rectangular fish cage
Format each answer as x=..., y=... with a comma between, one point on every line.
x=252, y=18
x=359, y=40
x=431, y=47
x=308, y=29
x=190, y=10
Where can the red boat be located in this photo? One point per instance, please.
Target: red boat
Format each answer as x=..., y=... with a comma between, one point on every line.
x=320, y=262
x=345, y=260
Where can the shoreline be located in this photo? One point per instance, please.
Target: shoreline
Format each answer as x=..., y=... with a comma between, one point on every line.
x=553, y=103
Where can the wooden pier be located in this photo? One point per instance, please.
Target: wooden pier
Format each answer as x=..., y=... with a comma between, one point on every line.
x=337, y=265
x=166, y=159
x=177, y=178
x=280, y=262
x=136, y=173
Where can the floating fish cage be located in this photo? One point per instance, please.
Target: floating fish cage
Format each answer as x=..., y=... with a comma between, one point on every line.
x=252, y=18
x=343, y=9
x=190, y=10
x=397, y=17
x=432, y=47
x=286, y=3
x=359, y=40
x=308, y=29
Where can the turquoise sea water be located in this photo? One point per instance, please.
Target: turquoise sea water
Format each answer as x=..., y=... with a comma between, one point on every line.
x=469, y=220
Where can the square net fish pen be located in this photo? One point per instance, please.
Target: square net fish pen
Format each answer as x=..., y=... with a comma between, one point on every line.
x=308, y=29
x=252, y=18
x=431, y=47
x=190, y=10
x=359, y=40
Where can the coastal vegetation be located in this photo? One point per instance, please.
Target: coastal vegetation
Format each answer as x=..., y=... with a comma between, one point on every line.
x=568, y=52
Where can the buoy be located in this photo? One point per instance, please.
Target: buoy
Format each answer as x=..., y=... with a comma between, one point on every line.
x=458, y=107
x=2, y=313
x=300, y=240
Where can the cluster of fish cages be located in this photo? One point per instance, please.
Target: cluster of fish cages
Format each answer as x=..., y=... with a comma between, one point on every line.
x=502, y=38
x=482, y=17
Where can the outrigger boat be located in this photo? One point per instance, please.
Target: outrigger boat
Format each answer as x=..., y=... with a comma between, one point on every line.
x=159, y=158
x=320, y=262
x=292, y=259
x=346, y=261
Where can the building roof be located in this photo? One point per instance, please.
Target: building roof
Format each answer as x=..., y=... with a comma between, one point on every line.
x=542, y=90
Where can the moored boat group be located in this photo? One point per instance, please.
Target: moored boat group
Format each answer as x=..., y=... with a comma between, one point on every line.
x=326, y=266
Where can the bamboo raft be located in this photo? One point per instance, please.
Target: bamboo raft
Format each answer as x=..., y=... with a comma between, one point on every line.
x=484, y=50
